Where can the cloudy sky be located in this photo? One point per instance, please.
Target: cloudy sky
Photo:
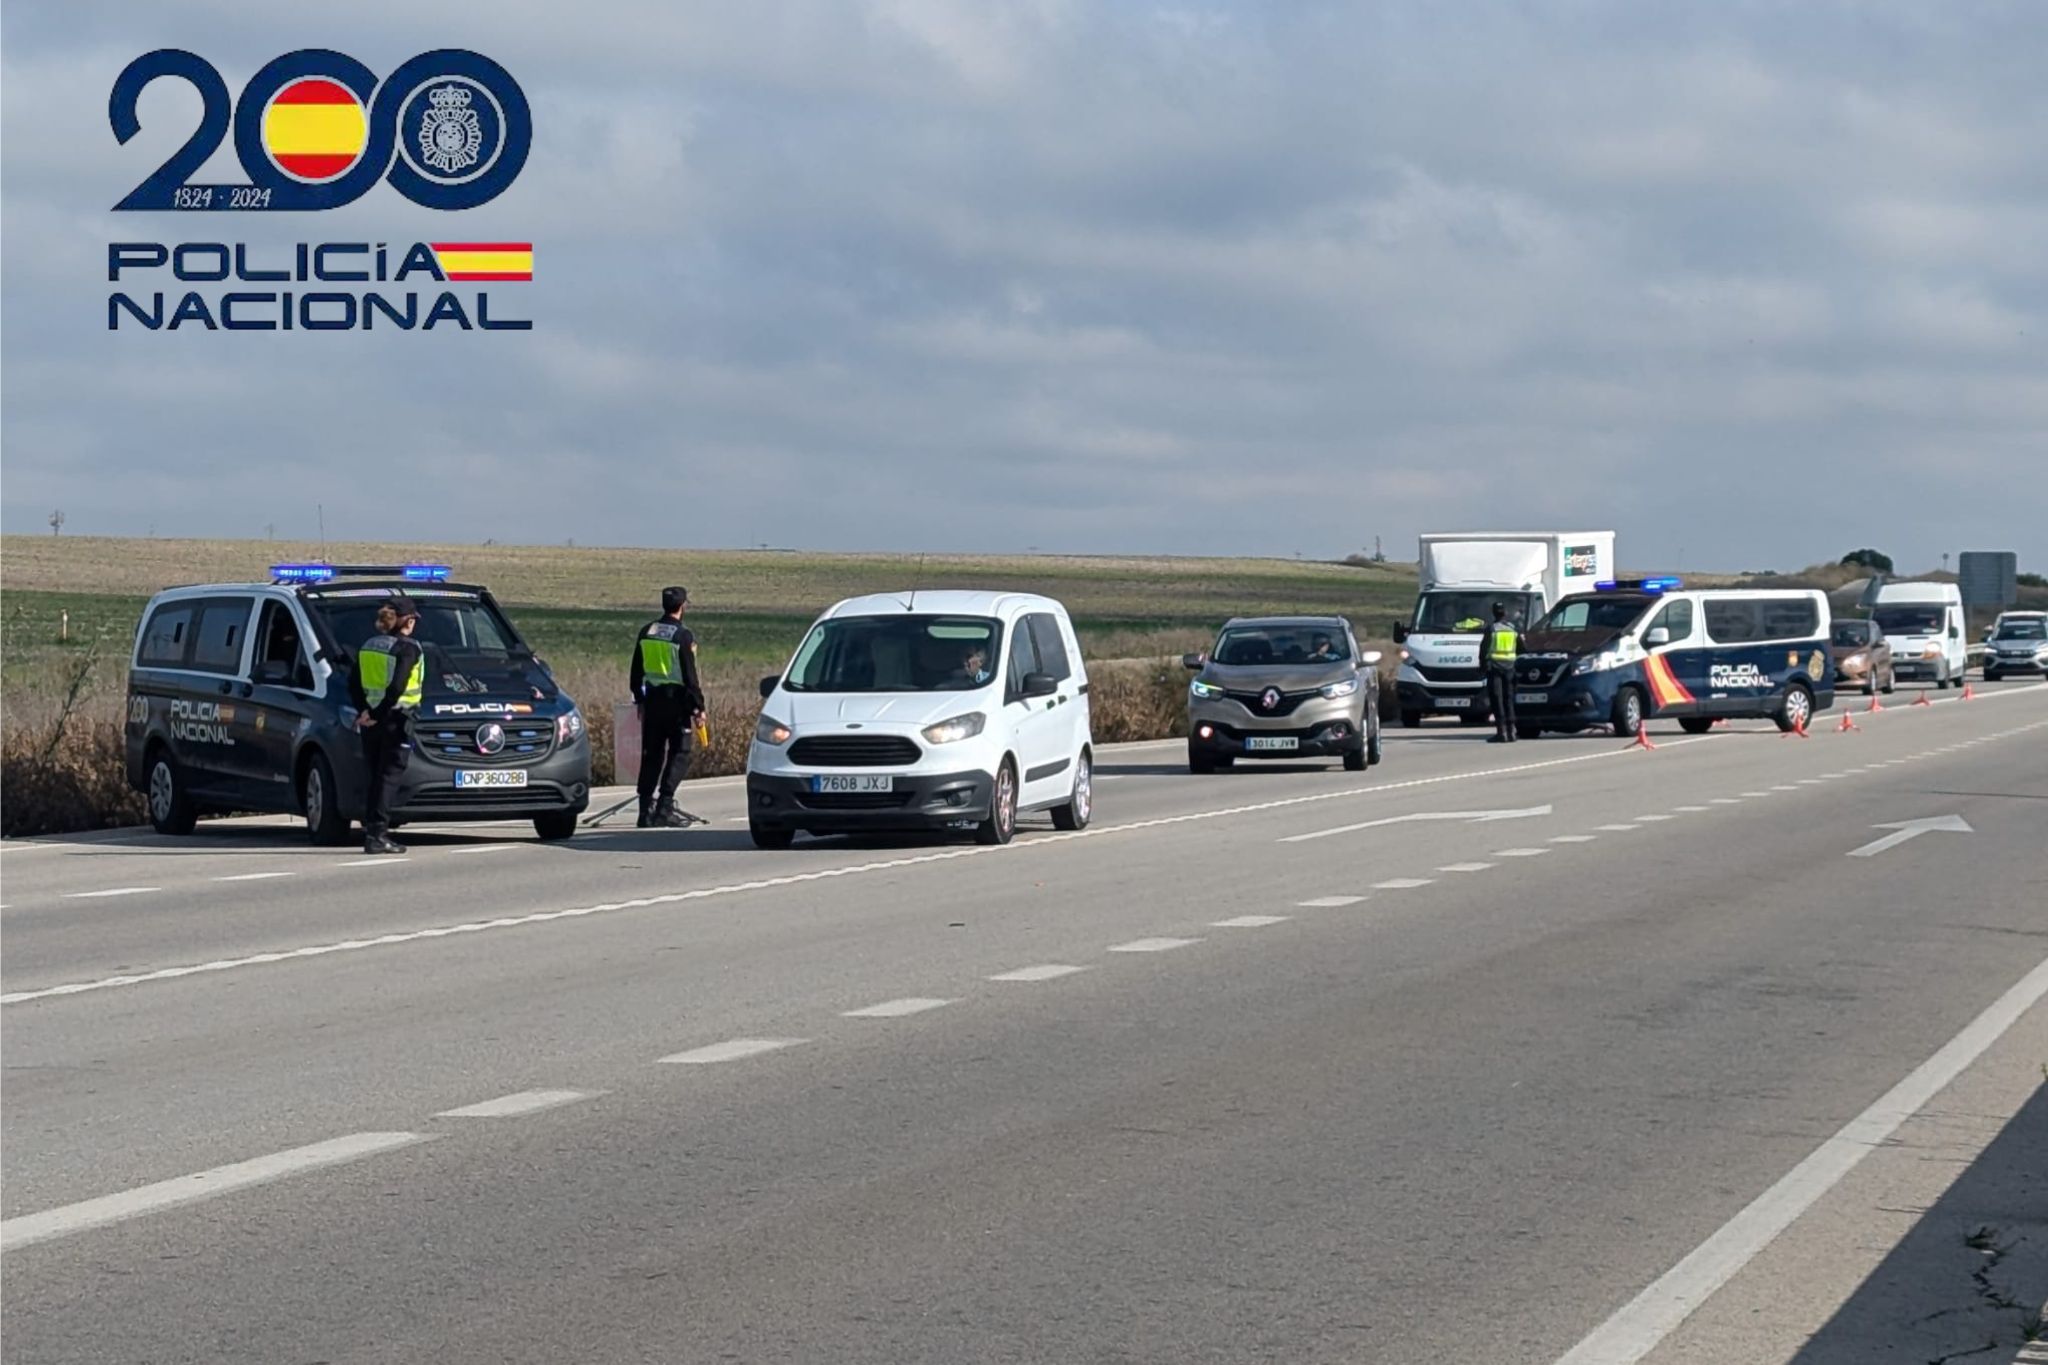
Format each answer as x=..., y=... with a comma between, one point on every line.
x=1751, y=284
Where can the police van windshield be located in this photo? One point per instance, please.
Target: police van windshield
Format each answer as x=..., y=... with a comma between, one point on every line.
x=897, y=654
x=1910, y=620
x=458, y=627
x=1604, y=614
x=1252, y=646
x=1449, y=613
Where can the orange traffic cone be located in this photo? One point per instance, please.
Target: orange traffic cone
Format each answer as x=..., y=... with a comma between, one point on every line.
x=1642, y=739
x=1969, y=692
x=1798, y=730
x=1875, y=704
x=1848, y=723
x=1923, y=699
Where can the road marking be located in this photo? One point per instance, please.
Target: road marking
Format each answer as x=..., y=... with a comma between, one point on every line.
x=111, y=891
x=895, y=1009
x=1046, y=971
x=1634, y=1331
x=1690, y=810
x=1476, y=816
x=511, y=1106
x=1725, y=801
x=1573, y=838
x=1652, y=819
x=1756, y=794
x=1911, y=829
x=484, y=848
x=255, y=876
x=729, y=1051
x=1783, y=788
x=1249, y=922
x=1464, y=867
x=1153, y=945
x=1810, y=781
x=1616, y=829
x=1329, y=902
x=1402, y=883
x=1520, y=852
x=379, y=861
x=187, y=1189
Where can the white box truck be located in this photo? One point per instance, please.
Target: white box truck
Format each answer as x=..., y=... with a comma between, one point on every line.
x=1463, y=574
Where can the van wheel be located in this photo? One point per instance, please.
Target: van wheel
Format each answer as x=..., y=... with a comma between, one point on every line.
x=1695, y=725
x=320, y=799
x=1410, y=719
x=1001, y=824
x=1080, y=807
x=170, y=807
x=556, y=824
x=1628, y=713
x=772, y=837
x=1797, y=710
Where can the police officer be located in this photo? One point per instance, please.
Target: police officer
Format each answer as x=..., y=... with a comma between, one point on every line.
x=1497, y=649
x=671, y=702
x=385, y=685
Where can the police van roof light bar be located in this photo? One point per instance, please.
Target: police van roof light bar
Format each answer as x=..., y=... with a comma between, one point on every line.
x=301, y=573
x=1649, y=585
x=322, y=573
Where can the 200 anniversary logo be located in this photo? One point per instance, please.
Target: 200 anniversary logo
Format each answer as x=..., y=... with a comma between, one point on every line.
x=314, y=130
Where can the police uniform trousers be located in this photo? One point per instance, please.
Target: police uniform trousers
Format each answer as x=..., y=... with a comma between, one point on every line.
x=387, y=748
x=665, y=743
x=1500, y=693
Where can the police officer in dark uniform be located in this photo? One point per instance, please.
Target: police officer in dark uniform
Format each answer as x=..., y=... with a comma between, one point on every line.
x=1497, y=650
x=671, y=701
x=385, y=686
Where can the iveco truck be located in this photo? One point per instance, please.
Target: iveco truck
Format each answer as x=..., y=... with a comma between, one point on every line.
x=1463, y=574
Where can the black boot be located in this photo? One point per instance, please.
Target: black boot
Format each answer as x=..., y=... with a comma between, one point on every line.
x=646, y=820
x=667, y=815
x=381, y=843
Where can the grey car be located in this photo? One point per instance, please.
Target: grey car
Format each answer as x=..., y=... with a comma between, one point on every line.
x=1283, y=687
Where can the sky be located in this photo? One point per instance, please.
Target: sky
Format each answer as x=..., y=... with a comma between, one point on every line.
x=1751, y=284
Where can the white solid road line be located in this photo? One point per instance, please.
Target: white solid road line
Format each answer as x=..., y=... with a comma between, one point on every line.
x=1634, y=1331
x=255, y=876
x=1045, y=971
x=187, y=1189
x=1248, y=922
x=511, y=1106
x=1329, y=902
x=110, y=891
x=1153, y=945
x=729, y=1051
x=896, y=1009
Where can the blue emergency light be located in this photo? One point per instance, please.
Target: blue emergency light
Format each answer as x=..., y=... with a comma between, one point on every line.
x=301, y=573
x=427, y=573
x=1649, y=585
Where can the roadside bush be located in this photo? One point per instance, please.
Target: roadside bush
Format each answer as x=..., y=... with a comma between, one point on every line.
x=58, y=780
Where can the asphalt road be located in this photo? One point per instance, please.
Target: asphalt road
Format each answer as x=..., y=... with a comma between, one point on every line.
x=1454, y=1059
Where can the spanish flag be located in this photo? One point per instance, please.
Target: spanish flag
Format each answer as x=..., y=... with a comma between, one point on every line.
x=485, y=260
x=315, y=129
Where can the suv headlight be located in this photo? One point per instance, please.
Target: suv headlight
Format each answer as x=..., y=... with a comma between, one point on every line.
x=569, y=726
x=1599, y=663
x=1339, y=689
x=769, y=730
x=956, y=729
x=1198, y=688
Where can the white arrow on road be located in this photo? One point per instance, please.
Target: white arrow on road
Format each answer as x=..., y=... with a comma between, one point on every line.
x=1911, y=829
x=1475, y=816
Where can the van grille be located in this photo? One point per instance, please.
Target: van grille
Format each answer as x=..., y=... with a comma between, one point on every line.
x=854, y=800
x=453, y=742
x=854, y=751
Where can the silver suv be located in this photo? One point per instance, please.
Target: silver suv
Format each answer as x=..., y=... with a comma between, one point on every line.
x=1283, y=687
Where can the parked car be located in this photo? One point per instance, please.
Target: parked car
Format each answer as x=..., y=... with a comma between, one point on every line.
x=1863, y=657
x=1284, y=687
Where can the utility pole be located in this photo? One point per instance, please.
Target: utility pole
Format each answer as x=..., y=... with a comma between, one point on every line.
x=57, y=524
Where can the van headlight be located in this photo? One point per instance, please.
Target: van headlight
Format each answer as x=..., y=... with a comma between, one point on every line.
x=1339, y=689
x=1602, y=662
x=569, y=726
x=956, y=729
x=1198, y=688
x=769, y=730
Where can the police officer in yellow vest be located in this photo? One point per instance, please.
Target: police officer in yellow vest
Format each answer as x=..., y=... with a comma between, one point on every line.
x=1497, y=648
x=671, y=701
x=385, y=685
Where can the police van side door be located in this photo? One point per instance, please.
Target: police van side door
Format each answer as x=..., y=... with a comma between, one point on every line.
x=284, y=699
x=1676, y=669
x=210, y=723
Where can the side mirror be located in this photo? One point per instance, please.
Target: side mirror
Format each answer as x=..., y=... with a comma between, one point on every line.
x=768, y=686
x=1040, y=684
x=1658, y=635
x=1191, y=662
x=1370, y=658
x=272, y=673
x=1400, y=631
x=1955, y=632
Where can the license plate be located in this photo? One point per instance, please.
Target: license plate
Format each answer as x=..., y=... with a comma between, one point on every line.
x=1272, y=742
x=866, y=782
x=1454, y=703
x=1531, y=698
x=490, y=777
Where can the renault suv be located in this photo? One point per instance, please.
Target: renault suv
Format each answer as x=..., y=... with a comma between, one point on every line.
x=1283, y=687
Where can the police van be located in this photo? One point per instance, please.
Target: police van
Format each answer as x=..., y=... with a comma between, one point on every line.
x=238, y=700
x=1630, y=650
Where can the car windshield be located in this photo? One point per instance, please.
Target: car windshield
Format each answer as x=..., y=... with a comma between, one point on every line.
x=897, y=654
x=1450, y=613
x=1851, y=633
x=1603, y=614
x=2023, y=630
x=1256, y=645
x=1910, y=619
x=459, y=628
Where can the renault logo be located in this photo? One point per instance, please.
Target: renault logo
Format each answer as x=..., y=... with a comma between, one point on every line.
x=490, y=738
x=1270, y=698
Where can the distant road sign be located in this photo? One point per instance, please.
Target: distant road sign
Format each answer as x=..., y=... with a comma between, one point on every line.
x=1989, y=578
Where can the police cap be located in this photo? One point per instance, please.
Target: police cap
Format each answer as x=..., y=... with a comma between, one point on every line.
x=403, y=605
x=671, y=598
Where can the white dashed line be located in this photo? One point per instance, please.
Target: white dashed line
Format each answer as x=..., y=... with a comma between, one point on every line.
x=1689, y=810
x=1753, y=795
x=1652, y=819
x=1153, y=945
x=1726, y=801
x=1617, y=829
x=1402, y=883
x=896, y=1009
x=379, y=861
x=1573, y=838
x=1329, y=902
x=729, y=1051
x=1784, y=789
x=1520, y=852
x=484, y=848
x=1249, y=922
x=1046, y=971
x=1810, y=781
x=255, y=876
x=111, y=891
x=1464, y=867
x=190, y=1189
x=512, y=1106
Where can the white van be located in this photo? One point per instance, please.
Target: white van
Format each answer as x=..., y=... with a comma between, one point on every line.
x=925, y=711
x=1924, y=622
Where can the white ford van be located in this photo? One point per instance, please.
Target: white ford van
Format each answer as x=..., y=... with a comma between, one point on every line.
x=1924, y=622
x=925, y=711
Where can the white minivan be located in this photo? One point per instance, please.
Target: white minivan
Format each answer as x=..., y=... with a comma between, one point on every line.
x=1924, y=622
x=925, y=711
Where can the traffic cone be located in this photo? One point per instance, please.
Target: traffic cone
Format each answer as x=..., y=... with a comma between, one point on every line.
x=1969, y=692
x=1798, y=730
x=1642, y=739
x=1923, y=699
x=1847, y=724
x=1875, y=704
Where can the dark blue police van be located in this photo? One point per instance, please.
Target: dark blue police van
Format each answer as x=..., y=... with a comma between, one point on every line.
x=238, y=700
x=1630, y=650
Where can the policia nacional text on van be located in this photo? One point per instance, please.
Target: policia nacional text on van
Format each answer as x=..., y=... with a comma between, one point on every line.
x=239, y=700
